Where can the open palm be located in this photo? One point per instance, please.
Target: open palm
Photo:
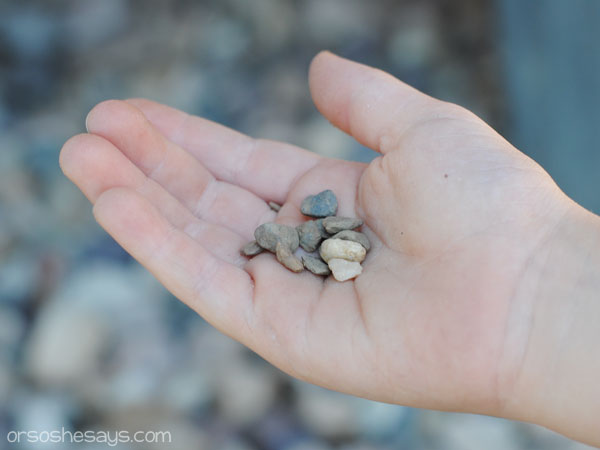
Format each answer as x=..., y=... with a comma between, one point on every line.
x=453, y=212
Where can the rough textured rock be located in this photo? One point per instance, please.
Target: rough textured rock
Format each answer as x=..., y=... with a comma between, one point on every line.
x=343, y=270
x=323, y=204
x=287, y=258
x=336, y=224
x=341, y=249
x=315, y=265
x=251, y=248
x=310, y=235
x=356, y=236
x=322, y=230
x=274, y=206
x=269, y=234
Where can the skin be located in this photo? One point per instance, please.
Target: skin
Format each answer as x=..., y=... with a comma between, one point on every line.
x=479, y=293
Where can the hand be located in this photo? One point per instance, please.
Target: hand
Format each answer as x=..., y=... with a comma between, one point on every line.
x=455, y=214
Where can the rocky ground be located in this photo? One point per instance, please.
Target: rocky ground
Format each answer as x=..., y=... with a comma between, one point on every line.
x=88, y=339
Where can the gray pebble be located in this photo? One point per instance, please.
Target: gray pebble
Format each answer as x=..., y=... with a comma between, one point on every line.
x=310, y=235
x=274, y=206
x=287, y=258
x=356, y=236
x=315, y=265
x=269, y=234
x=336, y=224
x=251, y=249
x=323, y=204
x=322, y=230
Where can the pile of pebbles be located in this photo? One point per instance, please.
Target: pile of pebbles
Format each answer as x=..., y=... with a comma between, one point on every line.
x=331, y=243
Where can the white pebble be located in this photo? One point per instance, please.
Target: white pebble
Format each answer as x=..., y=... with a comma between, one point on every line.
x=342, y=249
x=343, y=270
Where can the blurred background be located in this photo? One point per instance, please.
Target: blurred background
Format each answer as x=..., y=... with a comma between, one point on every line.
x=89, y=340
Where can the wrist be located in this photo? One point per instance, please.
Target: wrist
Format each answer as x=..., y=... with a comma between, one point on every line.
x=556, y=319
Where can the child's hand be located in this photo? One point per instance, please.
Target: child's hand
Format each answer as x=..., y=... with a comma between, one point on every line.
x=452, y=310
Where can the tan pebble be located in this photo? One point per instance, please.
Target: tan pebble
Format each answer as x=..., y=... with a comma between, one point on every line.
x=287, y=258
x=274, y=206
x=268, y=234
x=343, y=270
x=342, y=249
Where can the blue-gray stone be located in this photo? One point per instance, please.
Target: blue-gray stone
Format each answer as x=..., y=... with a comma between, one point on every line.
x=315, y=265
x=310, y=235
x=322, y=230
x=323, y=204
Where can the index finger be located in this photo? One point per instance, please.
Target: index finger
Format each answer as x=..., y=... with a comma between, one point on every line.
x=267, y=168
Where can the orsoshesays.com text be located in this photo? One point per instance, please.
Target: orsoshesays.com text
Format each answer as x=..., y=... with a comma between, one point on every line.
x=110, y=438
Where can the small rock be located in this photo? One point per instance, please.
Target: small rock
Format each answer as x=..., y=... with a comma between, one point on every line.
x=315, y=265
x=269, y=234
x=244, y=391
x=251, y=249
x=322, y=230
x=341, y=249
x=323, y=204
x=381, y=421
x=287, y=258
x=329, y=414
x=186, y=389
x=344, y=270
x=274, y=206
x=66, y=345
x=310, y=235
x=336, y=224
x=355, y=236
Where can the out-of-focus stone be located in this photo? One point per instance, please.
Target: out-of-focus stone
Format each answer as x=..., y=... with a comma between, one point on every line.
x=382, y=420
x=190, y=388
x=245, y=392
x=328, y=414
x=65, y=345
x=17, y=277
x=13, y=326
x=42, y=410
x=472, y=432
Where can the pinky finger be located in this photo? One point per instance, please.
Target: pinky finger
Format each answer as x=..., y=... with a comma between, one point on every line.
x=218, y=291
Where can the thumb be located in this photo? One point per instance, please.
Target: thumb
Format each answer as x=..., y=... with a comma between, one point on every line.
x=369, y=104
